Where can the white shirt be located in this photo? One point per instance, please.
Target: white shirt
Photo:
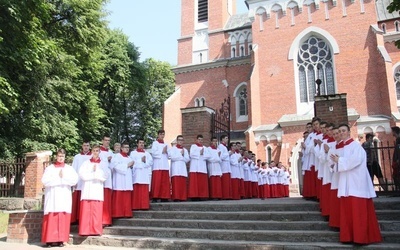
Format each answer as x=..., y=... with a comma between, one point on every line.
x=58, y=196
x=198, y=162
x=141, y=170
x=235, y=165
x=93, y=180
x=160, y=160
x=79, y=159
x=104, y=157
x=178, y=161
x=354, y=179
x=214, y=162
x=225, y=161
x=122, y=174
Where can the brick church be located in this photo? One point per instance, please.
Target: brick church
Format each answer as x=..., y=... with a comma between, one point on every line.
x=268, y=61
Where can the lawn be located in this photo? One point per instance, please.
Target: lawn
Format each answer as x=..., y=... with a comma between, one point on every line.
x=3, y=222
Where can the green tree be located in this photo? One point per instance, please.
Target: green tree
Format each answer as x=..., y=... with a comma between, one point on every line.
x=392, y=7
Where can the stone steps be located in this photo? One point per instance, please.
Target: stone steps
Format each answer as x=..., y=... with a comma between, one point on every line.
x=288, y=223
x=206, y=244
x=225, y=225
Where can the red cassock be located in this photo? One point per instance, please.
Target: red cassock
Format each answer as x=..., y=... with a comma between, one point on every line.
x=121, y=204
x=179, y=188
x=226, y=183
x=76, y=201
x=140, y=197
x=107, y=207
x=215, y=187
x=160, y=184
x=325, y=199
x=358, y=221
x=198, y=185
x=309, y=186
x=56, y=227
x=235, y=188
x=254, y=191
x=334, y=209
x=90, y=218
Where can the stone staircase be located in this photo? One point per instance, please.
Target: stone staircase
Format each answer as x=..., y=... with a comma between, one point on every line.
x=285, y=223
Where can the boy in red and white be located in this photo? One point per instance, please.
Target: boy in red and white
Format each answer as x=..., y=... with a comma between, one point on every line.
x=179, y=158
x=254, y=177
x=334, y=201
x=106, y=155
x=198, y=178
x=93, y=173
x=79, y=159
x=358, y=222
x=225, y=168
x=234, y=160
x=160, y=179
x=122, y=166
x=272, y=172
x=141, y=177
x=214, y=170
x=327, y=148
x=310, y=170
x=245, y=165
x=58, y=178
x=286, y=182
x=280, y=176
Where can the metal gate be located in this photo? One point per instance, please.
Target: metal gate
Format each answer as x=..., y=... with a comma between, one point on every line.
x=221, y=120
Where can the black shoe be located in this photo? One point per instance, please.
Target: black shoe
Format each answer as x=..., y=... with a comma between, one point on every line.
x=48, y=245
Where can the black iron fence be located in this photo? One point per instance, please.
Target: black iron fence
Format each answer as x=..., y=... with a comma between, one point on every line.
x=12, y=178
x=384, y=169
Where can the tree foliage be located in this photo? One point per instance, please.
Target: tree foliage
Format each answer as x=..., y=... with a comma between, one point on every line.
x=65, y=76
x=392, y=7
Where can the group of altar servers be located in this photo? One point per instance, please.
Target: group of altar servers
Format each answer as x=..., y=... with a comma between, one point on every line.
x=109, y=184
x=335, y=174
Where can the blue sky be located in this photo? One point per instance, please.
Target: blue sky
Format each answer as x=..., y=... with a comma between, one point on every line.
x=153, y=26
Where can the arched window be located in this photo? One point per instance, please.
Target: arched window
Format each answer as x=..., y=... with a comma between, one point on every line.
x=314, y=61
x=202, y=102
x=197, y=102
x=233, y=52
x=269, y=154
x=397, y=26
x=383, y=27
x=241, y=51
x=397, y=82
x=240, y=94
x=201, y=57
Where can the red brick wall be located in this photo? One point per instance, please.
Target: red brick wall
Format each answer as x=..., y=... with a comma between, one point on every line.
x=196, y=121
x=25, y=226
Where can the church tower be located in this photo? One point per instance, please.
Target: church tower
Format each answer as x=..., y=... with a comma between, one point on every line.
x=202, y=23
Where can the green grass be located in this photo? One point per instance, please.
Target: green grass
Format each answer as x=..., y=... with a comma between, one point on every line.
x=3, y=222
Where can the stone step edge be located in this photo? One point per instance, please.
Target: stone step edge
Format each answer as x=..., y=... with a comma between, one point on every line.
x=218, y=230
x=221, y=221
x=241, y=212
x=235, y=230
x=284, y=245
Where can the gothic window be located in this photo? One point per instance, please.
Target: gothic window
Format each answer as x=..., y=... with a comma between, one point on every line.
x=397, y=82
x=314, y=61
x=269, y=154
x=202, y=11
x=397, y=26
x=197, y=102
x=240, y=94
x=383, y=26
x=233, y=52
x=241, y=51
x=202, y=102
x=243, y=102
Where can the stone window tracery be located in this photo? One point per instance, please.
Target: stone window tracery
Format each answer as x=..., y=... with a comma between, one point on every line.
x=314, y=61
